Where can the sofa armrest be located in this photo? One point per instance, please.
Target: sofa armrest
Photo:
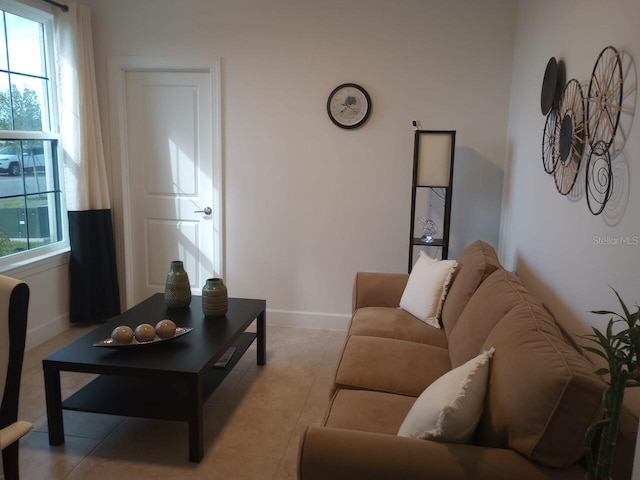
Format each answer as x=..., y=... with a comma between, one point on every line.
x=374, y=289
x=341, y=454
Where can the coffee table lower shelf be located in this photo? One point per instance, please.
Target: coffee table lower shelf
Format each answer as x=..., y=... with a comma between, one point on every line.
x=164, y=399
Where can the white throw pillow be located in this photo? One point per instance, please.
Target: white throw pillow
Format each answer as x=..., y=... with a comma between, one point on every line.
x=450, y=408
x=427, y=287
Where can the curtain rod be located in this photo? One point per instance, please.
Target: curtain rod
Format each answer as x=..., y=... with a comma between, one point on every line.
x=62, y=7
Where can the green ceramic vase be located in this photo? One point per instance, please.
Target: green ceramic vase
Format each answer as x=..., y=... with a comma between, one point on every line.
x=215, y=300
x=177, y=291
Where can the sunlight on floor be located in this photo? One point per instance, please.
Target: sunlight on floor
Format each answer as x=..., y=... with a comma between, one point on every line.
x=252, y=422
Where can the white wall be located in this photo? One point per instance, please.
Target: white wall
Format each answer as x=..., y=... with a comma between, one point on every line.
x=547, y=238
x=307, y=204
x=48, y=282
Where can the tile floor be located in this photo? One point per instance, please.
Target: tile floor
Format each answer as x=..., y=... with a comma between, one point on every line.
x=253, y=421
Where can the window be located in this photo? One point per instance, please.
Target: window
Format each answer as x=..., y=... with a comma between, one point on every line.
x=32, y=217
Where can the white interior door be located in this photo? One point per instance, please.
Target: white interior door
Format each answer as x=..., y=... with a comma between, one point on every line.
x=170, y=151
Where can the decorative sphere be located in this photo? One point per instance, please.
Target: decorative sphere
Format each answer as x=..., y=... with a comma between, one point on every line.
x=165, y=328
x=145, y=332
x=122, y=334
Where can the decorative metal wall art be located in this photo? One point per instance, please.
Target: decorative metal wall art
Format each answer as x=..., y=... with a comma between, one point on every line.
x=569, y=136
x=552, y=85
x=574, y=121
x=548, y=95
x=549, y=151
x=604, y=99
x=599, y=177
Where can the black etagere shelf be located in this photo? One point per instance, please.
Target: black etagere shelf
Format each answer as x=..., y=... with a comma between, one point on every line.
x=433, y=155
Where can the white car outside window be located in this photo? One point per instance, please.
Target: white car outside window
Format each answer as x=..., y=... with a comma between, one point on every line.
x=31, y=157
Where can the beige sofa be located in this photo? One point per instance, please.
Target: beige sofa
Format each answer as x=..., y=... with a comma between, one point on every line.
x=541, y=395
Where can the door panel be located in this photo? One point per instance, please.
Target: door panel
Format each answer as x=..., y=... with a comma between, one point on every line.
x=165, y=239
x=170, y=138
x=170, y=177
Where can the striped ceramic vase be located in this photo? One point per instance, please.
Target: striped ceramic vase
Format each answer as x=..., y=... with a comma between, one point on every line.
x=177, y=290
x=214, y=298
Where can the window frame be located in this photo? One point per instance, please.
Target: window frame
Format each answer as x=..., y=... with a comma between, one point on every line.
x=23, y=259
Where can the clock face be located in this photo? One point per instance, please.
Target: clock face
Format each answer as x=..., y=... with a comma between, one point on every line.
x=349, y=106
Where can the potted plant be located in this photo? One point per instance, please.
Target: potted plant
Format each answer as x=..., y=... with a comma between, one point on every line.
x=620, y=349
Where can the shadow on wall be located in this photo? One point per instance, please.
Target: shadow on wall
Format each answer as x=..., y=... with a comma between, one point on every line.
x=573, y=324
x=476, y=201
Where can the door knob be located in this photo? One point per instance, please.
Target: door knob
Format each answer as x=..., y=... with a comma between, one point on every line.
x=206, y=211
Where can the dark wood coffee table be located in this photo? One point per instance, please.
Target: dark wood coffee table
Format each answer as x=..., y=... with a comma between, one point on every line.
x=167, y=380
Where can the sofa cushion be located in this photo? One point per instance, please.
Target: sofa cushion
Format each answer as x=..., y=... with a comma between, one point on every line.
x=476, y=263
x=395, y=323
x=368, y=411
x=388, y=365
x=449, y=409
x=542, y=394
x=498, y=294
x=426, y=288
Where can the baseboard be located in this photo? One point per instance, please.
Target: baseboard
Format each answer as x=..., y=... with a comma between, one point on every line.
x=50, y=329
x=324, y=321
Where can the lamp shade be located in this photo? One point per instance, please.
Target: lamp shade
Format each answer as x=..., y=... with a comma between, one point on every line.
x=434, y=159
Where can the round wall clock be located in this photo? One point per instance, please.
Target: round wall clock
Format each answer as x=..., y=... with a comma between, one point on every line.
x=349, y=105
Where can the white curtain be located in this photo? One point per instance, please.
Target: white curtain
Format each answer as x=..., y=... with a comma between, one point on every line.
x=93, y=279
x=82, y=151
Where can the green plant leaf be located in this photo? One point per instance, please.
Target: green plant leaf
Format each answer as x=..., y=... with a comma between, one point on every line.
x=604, y=342
x=622, y=334
x=598, y=334
x=634, y=340
x=633, y=332
x=621, y=351
x=624, y=307
x=597, y=341
x=597, y=352
x=609, y=328
x=591, y=338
